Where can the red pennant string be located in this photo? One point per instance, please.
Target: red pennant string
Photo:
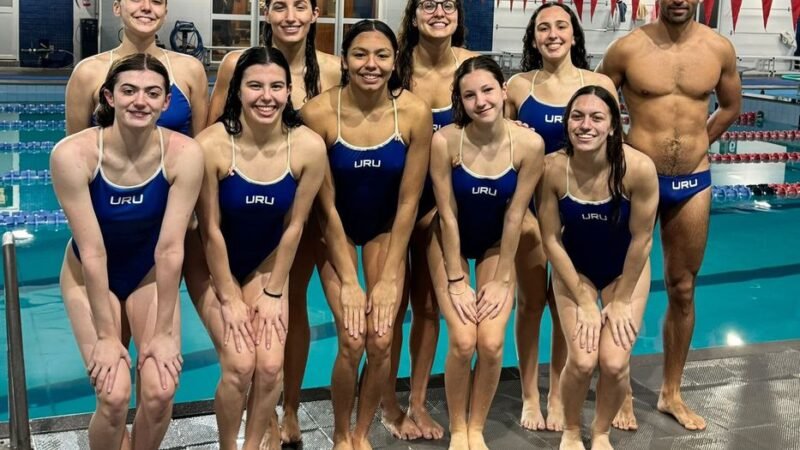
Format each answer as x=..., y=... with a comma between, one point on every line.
x=795, y=12
x=736, y=6
x=766, y=7
x=708, y=9
x=613, y=7
x=579, y=8
x=635, y=6
x=592, y=7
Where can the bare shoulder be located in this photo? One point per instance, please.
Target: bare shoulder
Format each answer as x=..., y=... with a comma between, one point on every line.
x=328, y=60
x=211, y=136
x=640, y=166
x=411, y=103
x=229, y=61
x=330, y=69
x=445, y=134
x=463, y=54
x=92, y=68
x=555, y=161
x=718, y=43
x=186, y=62
x=319, y=106
x=599, y=79
x=76, y=146
x=525, y=139
x=628, y=44
x=519, y=83
x=311, y=142
x=179, y=148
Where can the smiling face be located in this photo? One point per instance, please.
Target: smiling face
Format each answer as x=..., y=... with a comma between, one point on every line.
x=369, y=61
x=264, y=93
x=554, y=36
x=441, y=22
x=482, y=96
x=291, y=20
x=139, y=98
x=589, y=123
x=677, y=12
x=142, y=17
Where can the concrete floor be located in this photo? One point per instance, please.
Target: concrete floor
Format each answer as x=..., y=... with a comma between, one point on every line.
x=749, y=395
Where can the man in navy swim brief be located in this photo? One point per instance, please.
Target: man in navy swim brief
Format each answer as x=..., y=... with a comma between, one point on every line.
x=667, y=71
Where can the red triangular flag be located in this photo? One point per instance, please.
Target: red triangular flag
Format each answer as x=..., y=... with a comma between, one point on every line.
x=766, y=6
x=613, y=7
x=635, y=6
x=708, y=9
x=511, y=5
x=524, y=5
x=579, y=9
x=498, y=4
x=657, y=10
x=795, y=12
x=736, y=6
x=592, y=7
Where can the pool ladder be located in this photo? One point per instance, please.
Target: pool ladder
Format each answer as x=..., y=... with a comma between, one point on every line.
x=19, y=422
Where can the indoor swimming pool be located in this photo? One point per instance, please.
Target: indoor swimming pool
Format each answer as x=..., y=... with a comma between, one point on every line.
x=745, y=292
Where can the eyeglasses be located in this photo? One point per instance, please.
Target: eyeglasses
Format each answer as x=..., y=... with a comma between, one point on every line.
x=429, y=6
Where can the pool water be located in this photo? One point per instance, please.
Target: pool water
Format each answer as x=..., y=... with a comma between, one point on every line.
x=745, y=290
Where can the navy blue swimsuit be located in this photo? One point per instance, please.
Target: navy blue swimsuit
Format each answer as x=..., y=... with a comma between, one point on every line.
x=596, y=244
x=546, y=119
x=130, y=222
x=178, y=116
x=367, y=181
x=482, y=201
x=253, y=214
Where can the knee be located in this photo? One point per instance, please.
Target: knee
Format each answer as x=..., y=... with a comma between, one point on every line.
x=530, y=310
x=113, y=407
x=238, y=372
x=463, y=346
x=427, y=310
x=583, y=365
x=491, y=350
x=680, y=288
x=269, y=372
x=351, y=349
x=155, y=399
x=617, y=368
x=379, y=347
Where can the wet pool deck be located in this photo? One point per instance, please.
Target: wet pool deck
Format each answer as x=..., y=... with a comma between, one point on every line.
x=749, y=395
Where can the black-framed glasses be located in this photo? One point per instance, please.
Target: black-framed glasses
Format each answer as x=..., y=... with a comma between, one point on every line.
x=429, y=6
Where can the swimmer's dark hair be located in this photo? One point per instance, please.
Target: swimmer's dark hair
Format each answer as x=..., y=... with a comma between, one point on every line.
x=104, y=113
x=614, y=151
x=532, y=58
x=409, y=38
x=233, y=104
x=311, y=79
x=364, y=26
x=481, y=62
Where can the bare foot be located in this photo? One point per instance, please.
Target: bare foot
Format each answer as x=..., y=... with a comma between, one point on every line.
x=272, y=438
x=361, y=443
x=290, y=428
x=342, y=442
x=476, y=441
x=678, y=409
x=458, y=441
x=555, y=414
x=532, y=418
x=571, y=440
x=429, y=428
x=625, y=419
x=600, y=441
x=400, y=425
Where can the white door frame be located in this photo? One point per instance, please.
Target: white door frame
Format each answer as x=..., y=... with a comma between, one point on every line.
x=13, y=11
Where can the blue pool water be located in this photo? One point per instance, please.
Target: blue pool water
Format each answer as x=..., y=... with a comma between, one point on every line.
x=745, y=293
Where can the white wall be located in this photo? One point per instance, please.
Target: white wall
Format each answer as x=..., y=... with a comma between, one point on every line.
x=750, y=37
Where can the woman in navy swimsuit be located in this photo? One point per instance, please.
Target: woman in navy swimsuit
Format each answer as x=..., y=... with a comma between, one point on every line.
x=598, y=209
x=128, y=188
x=263, y=171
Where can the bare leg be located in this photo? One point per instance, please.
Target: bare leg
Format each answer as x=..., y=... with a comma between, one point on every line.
x=424, y=334
x=532, y=276
x=379, y=348
x=558, y=359
x=684, y=232
x=107, y=425
x=154, y=407
x=462, y=345
x=298, y=338
x=237, y=371
x=490, y=341
x=615, y=364
x=348, y=357
x=393, y=418
x=577, y=373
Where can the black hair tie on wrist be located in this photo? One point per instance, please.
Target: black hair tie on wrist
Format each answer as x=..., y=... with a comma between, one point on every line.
x=270, y=294
x=455, y=280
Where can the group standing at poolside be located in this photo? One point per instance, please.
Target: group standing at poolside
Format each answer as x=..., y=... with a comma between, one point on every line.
x=235, y=195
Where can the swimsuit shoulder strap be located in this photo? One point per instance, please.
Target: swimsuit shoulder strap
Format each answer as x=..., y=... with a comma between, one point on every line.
x=580, y=74
x=168, y=65
x=567, y=176
x=396, y=120
x=461, y=146
x=533, y=80
x=99, y=152
x=510, y=144
x=453, y=52
x=110, y=58
x=289, y=152
x=233, y=154
x=161, y=147
x=339, y=116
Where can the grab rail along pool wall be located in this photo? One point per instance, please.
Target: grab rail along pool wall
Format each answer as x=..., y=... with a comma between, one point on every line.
x=19, y=426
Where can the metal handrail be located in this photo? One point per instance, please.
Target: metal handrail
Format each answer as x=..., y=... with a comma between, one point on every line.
x=19, y=426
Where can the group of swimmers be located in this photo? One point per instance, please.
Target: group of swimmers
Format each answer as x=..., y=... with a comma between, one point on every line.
x=517, y=174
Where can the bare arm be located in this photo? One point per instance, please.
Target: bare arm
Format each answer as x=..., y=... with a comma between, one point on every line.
x=613, y=63
x=729, y=96
x=198, y=96
x=219, y=93
x=186, y=171
x=311, y=174
x=79, y=100
x=441, y=174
